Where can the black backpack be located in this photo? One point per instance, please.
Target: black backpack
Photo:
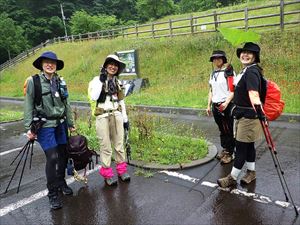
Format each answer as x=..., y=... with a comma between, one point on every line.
x=78, y=151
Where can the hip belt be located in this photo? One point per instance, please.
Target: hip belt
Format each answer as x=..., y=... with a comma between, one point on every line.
x=101, y=111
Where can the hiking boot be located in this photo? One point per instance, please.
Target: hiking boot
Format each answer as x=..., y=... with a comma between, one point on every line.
x=226, y=181
x=221, y=154
x=227, y=158
x=249, y=177
x=125, y=177
x=55, y=202
x=66, y=190
x=111, y=181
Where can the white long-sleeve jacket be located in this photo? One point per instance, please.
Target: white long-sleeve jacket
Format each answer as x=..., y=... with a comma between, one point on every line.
x=94, y=91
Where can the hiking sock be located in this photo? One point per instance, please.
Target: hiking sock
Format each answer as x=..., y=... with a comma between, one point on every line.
x=235, y=173
x=250, y=166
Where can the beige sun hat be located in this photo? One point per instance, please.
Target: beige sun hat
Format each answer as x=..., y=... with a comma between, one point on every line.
x=115, y=58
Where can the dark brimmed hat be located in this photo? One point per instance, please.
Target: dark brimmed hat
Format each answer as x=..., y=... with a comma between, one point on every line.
x=218, y=54
x=115, y=58
x=48, y=55
x=251, y=47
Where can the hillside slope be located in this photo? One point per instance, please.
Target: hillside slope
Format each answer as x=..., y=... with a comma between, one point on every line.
x=178, y=67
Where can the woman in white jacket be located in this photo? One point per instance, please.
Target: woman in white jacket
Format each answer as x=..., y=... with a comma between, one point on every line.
x=111, y=118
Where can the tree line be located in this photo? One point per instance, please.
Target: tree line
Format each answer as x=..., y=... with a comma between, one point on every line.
x=27, y=23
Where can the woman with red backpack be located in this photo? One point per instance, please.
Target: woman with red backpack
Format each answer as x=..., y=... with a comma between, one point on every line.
x=247, y=113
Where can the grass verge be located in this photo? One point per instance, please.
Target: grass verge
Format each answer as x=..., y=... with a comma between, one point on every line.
x=7, y=115
x=154, y=140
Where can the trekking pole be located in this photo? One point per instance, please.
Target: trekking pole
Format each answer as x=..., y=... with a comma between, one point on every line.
x=127, y=146
x=23, y=151
x=198, y=182
x=31, y=154
x=27, y=151
x=272, y=149
x=277, y=164
x=25, y=146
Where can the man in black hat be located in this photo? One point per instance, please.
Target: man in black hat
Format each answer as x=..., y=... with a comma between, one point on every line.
x=219, y=103
x=54, y=108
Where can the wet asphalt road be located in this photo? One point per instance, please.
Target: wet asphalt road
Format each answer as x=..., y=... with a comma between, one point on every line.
x=164, y=198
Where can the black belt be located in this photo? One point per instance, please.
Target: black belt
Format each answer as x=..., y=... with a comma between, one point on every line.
x=110, y=110
x=55, y=118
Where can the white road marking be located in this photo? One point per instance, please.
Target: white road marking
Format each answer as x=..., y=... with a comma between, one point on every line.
x=11, y=207
x=7, y=209
x=2, y=128
x=256, y=197
x=209, y=184
x=263, y=199
x=283, y=204
x=180, y=176
x=10, y=151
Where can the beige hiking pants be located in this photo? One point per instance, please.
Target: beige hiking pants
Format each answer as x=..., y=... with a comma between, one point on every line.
x=110, y=132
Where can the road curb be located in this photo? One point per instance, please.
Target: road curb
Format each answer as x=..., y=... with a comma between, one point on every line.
x=286, y=117
x=212, y=152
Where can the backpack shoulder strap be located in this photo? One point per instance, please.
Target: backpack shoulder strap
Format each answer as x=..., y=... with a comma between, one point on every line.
x=37, y=89
x=263, y=83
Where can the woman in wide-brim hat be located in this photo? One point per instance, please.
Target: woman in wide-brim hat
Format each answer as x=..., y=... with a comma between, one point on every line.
x=115, y=59
x=49, y=56
x=248, y=113
x=56, y=111
x=219, y=103
x=111, y=118
x=252, y=48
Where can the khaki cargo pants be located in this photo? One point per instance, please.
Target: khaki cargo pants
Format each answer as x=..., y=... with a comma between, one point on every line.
x=110, y=131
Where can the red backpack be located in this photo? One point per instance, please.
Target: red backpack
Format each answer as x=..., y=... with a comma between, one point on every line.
x=271, y=98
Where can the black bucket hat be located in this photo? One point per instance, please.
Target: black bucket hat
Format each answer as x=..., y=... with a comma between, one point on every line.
x=48, y=55
x=251, y=47
x=115, y=58
x=218, y=54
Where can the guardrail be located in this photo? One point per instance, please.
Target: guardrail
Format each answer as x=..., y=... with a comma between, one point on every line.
x=183, y=26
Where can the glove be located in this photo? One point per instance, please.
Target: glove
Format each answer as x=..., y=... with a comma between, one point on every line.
x=103, y=75
x=126, y=125
x=260, y=114
x=37, y=123
x=229, y=70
